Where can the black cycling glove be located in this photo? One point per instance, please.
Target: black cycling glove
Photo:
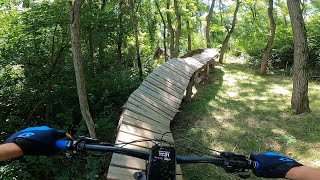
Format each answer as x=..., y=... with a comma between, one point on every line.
x=272, y=165
x=39, y=140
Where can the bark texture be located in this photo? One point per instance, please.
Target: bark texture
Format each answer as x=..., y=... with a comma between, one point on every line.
x=164, y=31
x=120, y=31
x=77, y=62
x=230, y=31
x=136, y=32
x=171, y=30
x=208, y=18
x=178, y=29
x=267, y=49
x=299, y=100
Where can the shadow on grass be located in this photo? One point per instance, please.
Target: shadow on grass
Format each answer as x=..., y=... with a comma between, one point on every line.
x=244, y=113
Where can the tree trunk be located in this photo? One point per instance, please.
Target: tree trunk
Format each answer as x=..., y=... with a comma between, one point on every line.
x=299, y=100
x=226, y=39
x=90, y=41
x=135, y=24
x=76, y=52
x=120, y=31
x=171, y=30
x=267, y=49
x=164, y=32
x=189, y=36
x=208, y=18
x=178, y=30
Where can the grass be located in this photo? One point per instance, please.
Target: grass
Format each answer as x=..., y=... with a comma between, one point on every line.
x=242, y=112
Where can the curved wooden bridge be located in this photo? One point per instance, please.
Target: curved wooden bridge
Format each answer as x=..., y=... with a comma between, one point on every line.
x=150, y=109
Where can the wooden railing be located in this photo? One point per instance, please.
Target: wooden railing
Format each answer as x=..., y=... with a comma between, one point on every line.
x=150, y=109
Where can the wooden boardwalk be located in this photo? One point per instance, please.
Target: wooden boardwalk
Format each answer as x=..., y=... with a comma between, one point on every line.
x=150, y=109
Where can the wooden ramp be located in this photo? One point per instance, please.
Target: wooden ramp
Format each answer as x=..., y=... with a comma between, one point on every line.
x=150, y=109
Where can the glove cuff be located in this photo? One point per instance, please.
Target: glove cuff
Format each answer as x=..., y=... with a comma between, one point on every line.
x=283, y=169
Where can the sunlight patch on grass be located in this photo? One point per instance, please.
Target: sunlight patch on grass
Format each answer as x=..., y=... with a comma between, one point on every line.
x=244, y=113
x=277, y=89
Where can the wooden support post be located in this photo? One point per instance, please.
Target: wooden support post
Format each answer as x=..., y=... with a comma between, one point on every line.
x=211, y=63
x=187, y=98
x=207, y=69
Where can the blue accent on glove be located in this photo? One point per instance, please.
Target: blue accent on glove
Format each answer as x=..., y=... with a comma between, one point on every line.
x=62, y=144
x=272, y=165
x=40, y=140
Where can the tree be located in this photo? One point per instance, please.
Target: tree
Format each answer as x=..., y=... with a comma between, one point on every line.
x=76, y=52
x=120, y=30
x=299, y=100
x=164, y=30
x=229, y=32
x=171, y=30
x=136, y=32
x=267, y=49
x=178, y=29
x=208, y=18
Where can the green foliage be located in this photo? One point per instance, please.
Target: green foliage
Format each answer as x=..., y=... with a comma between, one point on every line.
x=37, y=82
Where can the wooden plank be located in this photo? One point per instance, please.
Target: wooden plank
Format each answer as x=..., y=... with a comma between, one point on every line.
x=127, y=162
x=131, y=163
x=186, y=63
x=161, y=92
x=203, y=59
x=192, y=61
x=164, y=87
x=175, y=70
x=168, y=81
x=131, y=146
x=171, y=76
x=176, y=62
x=148, y=113
x=145, y=134
x=159, y=96
x=144, y=119
x=146, y=106
x=178, y=69
x=150, y=98
x=136, y=123
x=118, y=173
x=124, y=137
x=155, y=103
x=182, y=63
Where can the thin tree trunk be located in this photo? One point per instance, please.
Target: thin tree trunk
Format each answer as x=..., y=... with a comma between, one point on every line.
x=135, y=24
x=220, y=12
x=208, y=18
x=226, y=39
x=90, y=42
x=77, y=62
x=120, y=31
x=178, y=30
x=189, y=36
x=171, y=30
x=267, y=49
x=299, y=100
x=164, y=32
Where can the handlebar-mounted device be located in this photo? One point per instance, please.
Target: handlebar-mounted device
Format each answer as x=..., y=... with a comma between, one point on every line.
x=162, y=160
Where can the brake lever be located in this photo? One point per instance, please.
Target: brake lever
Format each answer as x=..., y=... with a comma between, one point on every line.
x=241, y=164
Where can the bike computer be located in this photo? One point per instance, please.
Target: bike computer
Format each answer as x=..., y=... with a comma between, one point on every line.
x=162, y=163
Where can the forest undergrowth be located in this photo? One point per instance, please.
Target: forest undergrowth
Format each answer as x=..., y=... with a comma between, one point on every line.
x=240, y=111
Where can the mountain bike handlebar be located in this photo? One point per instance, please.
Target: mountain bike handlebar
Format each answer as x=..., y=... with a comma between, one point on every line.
x=232, y=163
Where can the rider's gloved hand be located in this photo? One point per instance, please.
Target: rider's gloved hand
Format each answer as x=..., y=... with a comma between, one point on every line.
x=40, y=140
x=272, y=165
